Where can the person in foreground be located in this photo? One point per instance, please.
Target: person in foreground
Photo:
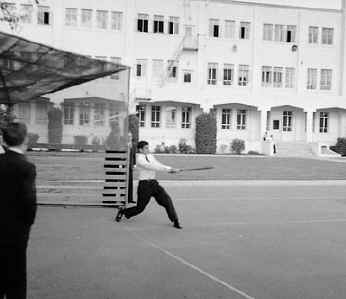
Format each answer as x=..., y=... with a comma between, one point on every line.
x=17, y=211
x=149, y=187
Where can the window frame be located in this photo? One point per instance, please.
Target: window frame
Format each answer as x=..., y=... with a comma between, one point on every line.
x=241, y=119
x=155, y=116
x=186, y=113
x=226, y=119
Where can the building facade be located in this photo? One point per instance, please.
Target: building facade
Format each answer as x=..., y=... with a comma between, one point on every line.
x=260, y=67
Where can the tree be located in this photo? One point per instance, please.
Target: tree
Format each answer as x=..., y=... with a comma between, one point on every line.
x=9, y=15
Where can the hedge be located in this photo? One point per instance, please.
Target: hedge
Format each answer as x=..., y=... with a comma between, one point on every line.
x=55, y=126
x=206, y=133
x=134, y=128
x=340, y=146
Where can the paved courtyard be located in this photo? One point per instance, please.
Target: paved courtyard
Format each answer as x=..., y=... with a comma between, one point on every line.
x=259, y=241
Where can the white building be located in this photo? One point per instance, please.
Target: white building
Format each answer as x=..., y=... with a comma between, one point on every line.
x=260, y=66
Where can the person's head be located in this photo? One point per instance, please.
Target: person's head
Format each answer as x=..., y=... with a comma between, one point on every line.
x=143, y=147
x=15, y=134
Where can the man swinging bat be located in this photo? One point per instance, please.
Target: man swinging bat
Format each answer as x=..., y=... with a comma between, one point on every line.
x=149, y=187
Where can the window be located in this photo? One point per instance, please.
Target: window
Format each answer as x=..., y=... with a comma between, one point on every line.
x=212, y=73
x=291, y=34
x=327, y=36
x=324, y=122
x=116, y=20
x=157, y=70
x=226, y=119
x=326, y=79
x=141, y=115
x=214, y=28
x=229, y=29
x=68, y=114
x=86, y=18
x=173, y=25
x=172, y=69
x=268, y=31
x=241, y=120
x=171, y=117
x=290, y=77
x=279, y=33
x=266, y=76
x=84, y=115
x=228, y=74
x=99, y=114
x=44, y=15
x=276, y=124
x=114, y=115
x=186, y=117
x=187, y=76
x=155, y=116
x=243, y=76
x=158, y=24
x=71, y=16
x=116, y=60
x=287, y=121
x=244, y=32
x=277, y=76
x=312, y=79
x=141, y=68
x=142, y=23
x=24, y=112
x=313, y=35
x=41, y=113
x=27, y=10
x=102, y=19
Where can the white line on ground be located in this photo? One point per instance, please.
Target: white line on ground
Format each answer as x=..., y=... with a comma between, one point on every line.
x=188, y=264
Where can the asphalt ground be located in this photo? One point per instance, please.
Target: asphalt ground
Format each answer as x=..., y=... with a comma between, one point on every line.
x=268, y=242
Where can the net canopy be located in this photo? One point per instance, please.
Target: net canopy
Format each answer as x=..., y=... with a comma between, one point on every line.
x=29, y=70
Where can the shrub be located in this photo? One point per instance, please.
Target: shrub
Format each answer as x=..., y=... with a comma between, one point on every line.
x=223, y=148
x=55, y=126
x=206, y=133
x=96, y=140
x=238, y=146
x=32, y=139
x=172, y=149
x=340, y=146
x=184, y=148
x=254, y=153
x=134, y=128
x=80, y=140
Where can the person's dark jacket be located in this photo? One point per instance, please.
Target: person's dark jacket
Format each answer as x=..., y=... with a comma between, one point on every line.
x=17, y=198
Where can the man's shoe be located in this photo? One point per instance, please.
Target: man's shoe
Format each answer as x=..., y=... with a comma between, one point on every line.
x=120, y=214
x=177, y=225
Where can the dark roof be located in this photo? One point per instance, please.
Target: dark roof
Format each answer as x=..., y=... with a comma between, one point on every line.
x=29, y=69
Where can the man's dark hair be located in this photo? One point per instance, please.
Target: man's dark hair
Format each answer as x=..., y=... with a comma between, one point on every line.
x=14, y=133
x=142, y=144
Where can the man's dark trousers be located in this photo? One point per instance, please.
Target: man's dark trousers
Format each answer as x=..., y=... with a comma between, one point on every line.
x=17, y=214
x=146, y=190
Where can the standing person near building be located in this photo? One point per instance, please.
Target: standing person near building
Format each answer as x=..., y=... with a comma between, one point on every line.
x=149, y=187
x=17, y=212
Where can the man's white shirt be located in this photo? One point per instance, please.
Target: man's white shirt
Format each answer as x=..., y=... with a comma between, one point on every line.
x=147, y=166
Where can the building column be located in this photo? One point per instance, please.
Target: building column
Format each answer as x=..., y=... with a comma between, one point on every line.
x=263, y=122
x=309, y=125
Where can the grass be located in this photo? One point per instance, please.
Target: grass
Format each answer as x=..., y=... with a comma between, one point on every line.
x=53, y=166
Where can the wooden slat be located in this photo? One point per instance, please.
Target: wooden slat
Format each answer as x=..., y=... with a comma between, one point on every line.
x=109, y=180
x=113, y=202
x=115, y=185
x=115, y=152
x=115, y=167
x=117, y=177
x=116, y=162
x=114, y=194
x=117, y=172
